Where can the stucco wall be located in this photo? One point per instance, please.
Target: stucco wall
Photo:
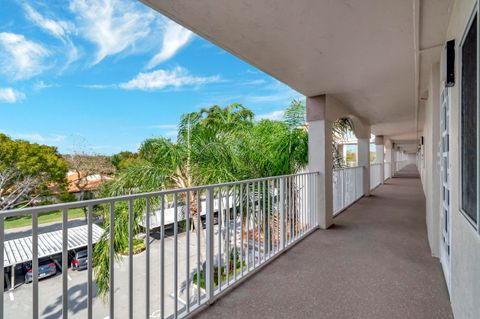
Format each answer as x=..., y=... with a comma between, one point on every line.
x=465, y=245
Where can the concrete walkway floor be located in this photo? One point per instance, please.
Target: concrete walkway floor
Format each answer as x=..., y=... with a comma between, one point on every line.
x=373, y=263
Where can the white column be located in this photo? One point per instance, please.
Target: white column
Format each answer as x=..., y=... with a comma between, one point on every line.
x=364, y=160
x=320, y=157
x=379, y=149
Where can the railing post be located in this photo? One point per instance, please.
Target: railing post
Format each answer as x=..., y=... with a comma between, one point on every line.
x=209, y=273
x=282, y=213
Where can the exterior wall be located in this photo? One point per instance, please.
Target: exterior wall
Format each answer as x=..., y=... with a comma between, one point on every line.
x=465, y=241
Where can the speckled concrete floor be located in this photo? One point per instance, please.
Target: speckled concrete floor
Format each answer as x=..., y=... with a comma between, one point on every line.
x=373, y=263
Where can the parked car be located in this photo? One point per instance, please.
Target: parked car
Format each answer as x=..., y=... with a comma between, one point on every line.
x=45, y=269
x=80, y=260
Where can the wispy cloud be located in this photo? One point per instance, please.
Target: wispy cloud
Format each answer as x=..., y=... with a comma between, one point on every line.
x=21, y=58
x=41, y=85
x=275, y=92
x=58, y=28
x=9, y=95
x=274, y=116
x=174, y=38
x=38, y=138
x=112, y=25
x=98, y=86
x=163, y=126
x=254, y=82
x=161, y=79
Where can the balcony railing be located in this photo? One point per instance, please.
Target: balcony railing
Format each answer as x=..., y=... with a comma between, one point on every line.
x=347, y=187
x=238, y=228
x=387, y=168
x=375, y=175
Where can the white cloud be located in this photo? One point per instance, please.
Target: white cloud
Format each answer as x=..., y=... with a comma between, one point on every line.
x=21, y=58
x=174, y=38
x=9, y=95
x=161, y=79
x=171, y=133
x=164, y=126
x=40, y=85
x=98, y=86
x=112, y=25
x=273, y=116
x=38, y=138
x=59, y=29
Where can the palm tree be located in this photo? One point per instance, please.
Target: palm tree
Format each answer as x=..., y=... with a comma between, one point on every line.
x=206, y=152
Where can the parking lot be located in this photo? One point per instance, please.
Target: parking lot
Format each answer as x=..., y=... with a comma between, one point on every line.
x=18, y=303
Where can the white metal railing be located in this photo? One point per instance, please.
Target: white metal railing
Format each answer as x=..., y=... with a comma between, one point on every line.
x=347, y=187
x=375, y=175
x=387, y=168
x=247, y=224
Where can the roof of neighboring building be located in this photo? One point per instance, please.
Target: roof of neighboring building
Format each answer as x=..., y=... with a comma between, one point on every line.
x=17, y=251
x=90, y=183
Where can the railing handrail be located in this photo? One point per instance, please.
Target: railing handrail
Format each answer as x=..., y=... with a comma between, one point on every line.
x=349, y=167
x=106, y=200
x=375, y=164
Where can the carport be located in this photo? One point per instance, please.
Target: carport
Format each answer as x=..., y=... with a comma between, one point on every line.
x=18, y=251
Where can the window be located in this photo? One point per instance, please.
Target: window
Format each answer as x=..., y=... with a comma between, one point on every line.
x=469, y=126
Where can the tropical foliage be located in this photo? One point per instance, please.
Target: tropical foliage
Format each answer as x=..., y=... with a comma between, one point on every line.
x=28, y=171
x=213, y=145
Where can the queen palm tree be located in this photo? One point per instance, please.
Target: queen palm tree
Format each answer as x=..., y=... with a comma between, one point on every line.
x=205, y=152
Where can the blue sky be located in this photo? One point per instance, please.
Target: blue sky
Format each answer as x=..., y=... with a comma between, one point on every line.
x=100, y=76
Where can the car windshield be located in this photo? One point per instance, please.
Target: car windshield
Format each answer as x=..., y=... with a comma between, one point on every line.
x=45, y=267
x=82, y=254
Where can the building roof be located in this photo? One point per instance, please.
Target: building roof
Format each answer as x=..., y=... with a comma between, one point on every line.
x=17, y=251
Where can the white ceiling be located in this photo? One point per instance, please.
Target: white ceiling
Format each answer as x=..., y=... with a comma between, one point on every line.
x=362, y=52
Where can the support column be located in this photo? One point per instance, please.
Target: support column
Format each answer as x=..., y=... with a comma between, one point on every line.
x=388, y=154
x=379, y=149
x=320, y=157
x=364, y=160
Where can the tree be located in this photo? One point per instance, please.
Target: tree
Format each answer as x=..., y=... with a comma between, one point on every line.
x=205, y=152
x=83, y=166
x=28, y=171
x=123, y=159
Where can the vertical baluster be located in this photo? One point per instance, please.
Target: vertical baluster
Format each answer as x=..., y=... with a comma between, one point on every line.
x=90, y=260
x=259, y=217
x=227, y=233
x=219, y=238
x=175, y=255
x=162, y=257
x=264, y=224
x=187, y=268
x=130, y=259
x=247, y=226
x=241, y=228
x=210, y=254
x=198, y=230
x=112, y=260
x=64, y=263
x=282, y=213
x=268, y=217
x=235, y=251
x=35, y=264
x=253, y=226
x=147, y=257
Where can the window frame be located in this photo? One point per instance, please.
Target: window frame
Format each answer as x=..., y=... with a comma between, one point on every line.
x=475, y=13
